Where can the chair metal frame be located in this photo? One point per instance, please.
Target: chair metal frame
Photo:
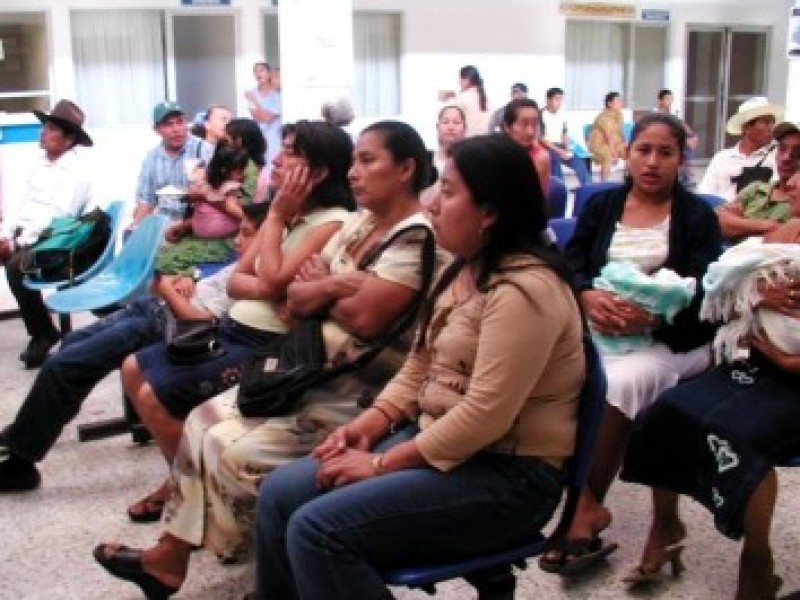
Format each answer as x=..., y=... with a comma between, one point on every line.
x=492, y=575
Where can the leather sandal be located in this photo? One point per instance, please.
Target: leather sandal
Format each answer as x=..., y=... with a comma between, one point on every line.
x=153, y=508
x=126, y=563
x=572, y=557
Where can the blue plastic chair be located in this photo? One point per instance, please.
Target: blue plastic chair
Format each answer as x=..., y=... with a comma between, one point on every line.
x=126, y=277
x=584, y=192
x=712, y=200
x=587, y=130
x=114, y=211
x=627, y=130
x=563, y=228
x=557, y=198
x=492, y=575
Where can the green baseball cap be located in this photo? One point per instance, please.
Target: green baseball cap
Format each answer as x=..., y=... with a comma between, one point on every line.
x=162, y=110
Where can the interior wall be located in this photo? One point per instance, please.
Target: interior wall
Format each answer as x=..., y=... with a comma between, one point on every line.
x=509, y=40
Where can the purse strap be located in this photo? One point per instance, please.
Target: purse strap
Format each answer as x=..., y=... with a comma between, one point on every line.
x=410, y=315
x=771, y=147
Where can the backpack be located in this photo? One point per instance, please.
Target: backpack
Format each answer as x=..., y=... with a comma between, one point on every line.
x=68, y=247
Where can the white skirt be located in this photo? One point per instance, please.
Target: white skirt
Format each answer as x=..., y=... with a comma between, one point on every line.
x=637, y=379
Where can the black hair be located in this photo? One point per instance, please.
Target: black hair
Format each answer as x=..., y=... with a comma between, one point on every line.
x=554, y=91
x=664, y=92
x=501, y=178
x=451, y=106
x=256, y=212
x=610, y=97
x=198, y=130
x=471, y=74
x=248, y=135
x=226, y=158
x=403, y=143
x=325, y=146
x=511, y=111
x=676, y=127
x=519, y=87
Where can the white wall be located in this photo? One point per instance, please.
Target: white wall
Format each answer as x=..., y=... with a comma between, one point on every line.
x=508, y=40
x=523, y=40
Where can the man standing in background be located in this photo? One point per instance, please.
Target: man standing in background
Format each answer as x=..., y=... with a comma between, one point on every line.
x=556, y=139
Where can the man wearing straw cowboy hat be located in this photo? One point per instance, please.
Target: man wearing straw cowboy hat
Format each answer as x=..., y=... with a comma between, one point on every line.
x=58, y=185
x=753, y=121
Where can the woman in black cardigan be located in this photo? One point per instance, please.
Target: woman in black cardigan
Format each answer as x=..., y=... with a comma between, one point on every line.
x=653, y=222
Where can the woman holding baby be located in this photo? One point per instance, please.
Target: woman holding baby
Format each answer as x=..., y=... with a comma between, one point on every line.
x=655, y=224
x=738, y=420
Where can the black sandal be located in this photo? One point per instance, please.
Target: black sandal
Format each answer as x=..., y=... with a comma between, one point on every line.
x=571, y=557
x=153, y=508
x=126, y=563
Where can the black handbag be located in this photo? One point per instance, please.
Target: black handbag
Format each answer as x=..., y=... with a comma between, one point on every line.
x=191, y=341
x=754, y=173
x=274, y=380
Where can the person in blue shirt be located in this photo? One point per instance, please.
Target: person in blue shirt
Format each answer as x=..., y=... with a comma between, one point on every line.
x=166, y=164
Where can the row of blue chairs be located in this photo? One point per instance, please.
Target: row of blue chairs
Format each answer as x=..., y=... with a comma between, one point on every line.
x=112, y=280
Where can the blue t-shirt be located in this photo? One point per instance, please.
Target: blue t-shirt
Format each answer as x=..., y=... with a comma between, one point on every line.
x=272, y=102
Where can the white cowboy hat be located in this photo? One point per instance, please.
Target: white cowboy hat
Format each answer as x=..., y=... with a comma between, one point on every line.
x=751, y=109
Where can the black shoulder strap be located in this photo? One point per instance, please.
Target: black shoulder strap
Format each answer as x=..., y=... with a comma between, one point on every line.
x=771, y=147
x=410, y=315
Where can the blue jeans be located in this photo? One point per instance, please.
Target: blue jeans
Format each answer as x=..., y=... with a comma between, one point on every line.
x=86, y=356
x=575, y=163
x=314, y=543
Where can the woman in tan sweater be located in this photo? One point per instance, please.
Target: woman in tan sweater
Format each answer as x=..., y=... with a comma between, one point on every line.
x=462, y=452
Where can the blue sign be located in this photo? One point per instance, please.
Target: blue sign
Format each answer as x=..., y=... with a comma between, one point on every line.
x=655, y=14
x=206, y=2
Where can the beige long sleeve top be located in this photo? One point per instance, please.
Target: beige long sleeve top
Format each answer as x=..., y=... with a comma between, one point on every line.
x=500, y=372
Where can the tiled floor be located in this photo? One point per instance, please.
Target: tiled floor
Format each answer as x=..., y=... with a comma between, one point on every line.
x=46, y=536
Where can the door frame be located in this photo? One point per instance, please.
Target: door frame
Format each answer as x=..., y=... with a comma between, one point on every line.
x=727, y=30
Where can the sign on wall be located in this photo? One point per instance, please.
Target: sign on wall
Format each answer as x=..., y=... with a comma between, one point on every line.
x=206, y=2
x=793, y=42
x=598, y=9
x=655, y=14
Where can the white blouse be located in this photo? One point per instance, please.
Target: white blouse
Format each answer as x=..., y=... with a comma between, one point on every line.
x=647, y=247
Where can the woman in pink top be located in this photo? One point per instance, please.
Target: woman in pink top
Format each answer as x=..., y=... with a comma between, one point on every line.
x=216, y=195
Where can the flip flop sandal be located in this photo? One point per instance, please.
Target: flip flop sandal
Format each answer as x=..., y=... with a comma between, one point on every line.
x=126, y=563
x=575, y=556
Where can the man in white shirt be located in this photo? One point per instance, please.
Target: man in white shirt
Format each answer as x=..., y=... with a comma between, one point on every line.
x=754, y=121
x=59, y=185
x=556, y=139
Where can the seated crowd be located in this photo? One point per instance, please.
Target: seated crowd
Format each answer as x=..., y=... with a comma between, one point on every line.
x=443, y=444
